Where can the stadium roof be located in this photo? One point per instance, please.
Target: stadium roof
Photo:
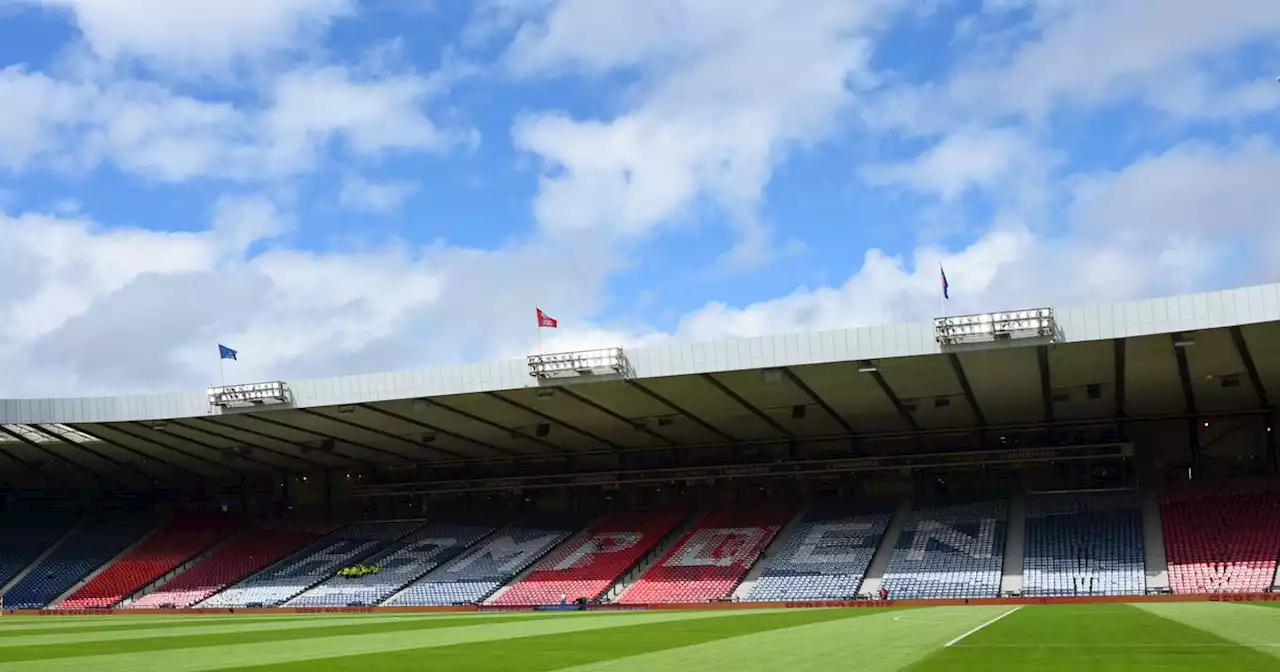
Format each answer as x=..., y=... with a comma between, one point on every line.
x=1185, y=356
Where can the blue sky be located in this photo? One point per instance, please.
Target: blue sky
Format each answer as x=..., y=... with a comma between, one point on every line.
x=341, y=186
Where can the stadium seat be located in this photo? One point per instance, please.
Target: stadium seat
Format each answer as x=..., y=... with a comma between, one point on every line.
x=1084, y=544
x=79, y=555
x=403, y=563
x=709, y=562
x=304, y=569
x=247, y=554
x=1224, y=538
x=587, y=569
x=482, y=569
x=823, y=558
x=949, y=552
x=25, y=538
x=162, y=552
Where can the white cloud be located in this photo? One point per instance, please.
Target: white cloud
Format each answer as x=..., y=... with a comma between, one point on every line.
x=198, y=33
x=725, y=90
x=79, y=303
x=375, y=197
x=147, y=129
x=1191, y=218
x=1076, y=56
x=963, y=160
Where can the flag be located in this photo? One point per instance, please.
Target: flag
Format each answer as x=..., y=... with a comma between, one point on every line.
x=946, y=288
x=226, y=353
x=546, y=321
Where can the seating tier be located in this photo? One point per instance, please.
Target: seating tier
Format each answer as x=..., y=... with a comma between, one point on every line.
x=823, y=558
x=410, y=558
x=239, y=558
x=79, y=555
x=321, y=560
x=949, y=552
x=707, y=564
x=1084, y=544
x=1222, y=539
x=588, y=568
x=481, y=569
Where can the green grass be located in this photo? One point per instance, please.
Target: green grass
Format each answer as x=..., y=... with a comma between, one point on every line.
x=1167, y=636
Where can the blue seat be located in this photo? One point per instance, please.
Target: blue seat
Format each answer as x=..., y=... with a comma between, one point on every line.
x=950, y=552
x=1084, y=544
x=80, y=554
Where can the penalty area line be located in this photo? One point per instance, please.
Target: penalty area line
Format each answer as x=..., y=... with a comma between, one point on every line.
x=961, y=637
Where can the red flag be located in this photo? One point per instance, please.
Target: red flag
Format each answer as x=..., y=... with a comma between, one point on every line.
x=546, y=321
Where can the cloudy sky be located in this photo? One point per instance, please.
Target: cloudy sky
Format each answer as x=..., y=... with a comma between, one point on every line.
x=344, y=186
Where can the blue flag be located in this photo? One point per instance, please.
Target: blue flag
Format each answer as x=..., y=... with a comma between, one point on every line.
x=226, y=353
x=946, y=288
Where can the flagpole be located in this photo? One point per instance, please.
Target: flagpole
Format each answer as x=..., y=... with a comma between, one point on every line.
x=222, y=372
x=539, y=313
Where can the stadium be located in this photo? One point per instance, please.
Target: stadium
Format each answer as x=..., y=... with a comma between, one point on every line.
x=1040, y=487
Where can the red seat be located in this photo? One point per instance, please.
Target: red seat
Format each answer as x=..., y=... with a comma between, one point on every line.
x=245, y=555
x=709, y=562
x=1222, y=538
x=587, y=569
x=151, y=559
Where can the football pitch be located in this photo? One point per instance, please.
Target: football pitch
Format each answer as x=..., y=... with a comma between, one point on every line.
x=1164, y=636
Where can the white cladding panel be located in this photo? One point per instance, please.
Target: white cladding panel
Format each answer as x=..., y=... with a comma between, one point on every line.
x=1193, y=312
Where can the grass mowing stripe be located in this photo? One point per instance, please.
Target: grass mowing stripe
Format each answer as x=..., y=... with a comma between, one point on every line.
x=878, y=642
x=220, y=657
x=105, y=624
x=1098, y=637
x=1241, y=624
x=554, y=652
x=220, y=627
x=246, y=635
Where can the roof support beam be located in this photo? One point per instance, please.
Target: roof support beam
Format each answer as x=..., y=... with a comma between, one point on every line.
x=813, y=396
x=1046, y=382
x=384, y=434
x=217, y=449
x=539, y=414
x=969, y=396
x=436, y=430
x=1184, y=375
x=248, y=444
x=141, y=455
x=672, y=405
x=259, y=417
x=29, y=466
x=55, y=436
x=764, y=417
x=119, y=429
x=225, y=427
x=893, y=399
x=1251, y=369
x=616, y=416
x=493, y=425
x=1121, y=401
x=55, y=455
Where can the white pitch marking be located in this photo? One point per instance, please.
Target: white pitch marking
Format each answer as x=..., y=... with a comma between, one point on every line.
x=957, y=639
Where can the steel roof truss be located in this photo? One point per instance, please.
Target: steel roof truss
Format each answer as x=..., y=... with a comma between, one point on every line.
x=750, y=408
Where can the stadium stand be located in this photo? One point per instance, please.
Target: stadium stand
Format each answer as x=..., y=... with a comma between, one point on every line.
x=180, y=540
x=304, y=569
x=586, y=569
x=1084, y=544
x=949, y=552
x=1223, y=538
x=823, y=558
x=709, y=562
x=244, y=555
x=482, y=569
x=84, y=551
x=24, y=539
x=414, y=555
